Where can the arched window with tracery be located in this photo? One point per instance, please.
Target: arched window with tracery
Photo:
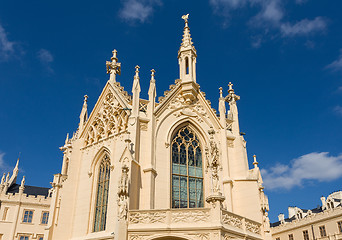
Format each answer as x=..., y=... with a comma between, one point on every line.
x=102, y=194
x=187, y=172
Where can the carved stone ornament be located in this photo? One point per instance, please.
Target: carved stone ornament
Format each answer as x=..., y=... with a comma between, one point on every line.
x=123, y=194
x=190, y=216
x=110, y=119
x=123, y=207
x=232, y=220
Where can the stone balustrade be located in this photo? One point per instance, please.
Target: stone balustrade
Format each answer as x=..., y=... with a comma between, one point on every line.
x=198, y=217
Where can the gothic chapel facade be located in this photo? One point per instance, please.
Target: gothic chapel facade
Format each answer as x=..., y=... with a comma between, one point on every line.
x=139, y=169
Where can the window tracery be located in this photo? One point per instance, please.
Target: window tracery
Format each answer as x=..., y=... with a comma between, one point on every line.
x=187, y=172
x=102, y=195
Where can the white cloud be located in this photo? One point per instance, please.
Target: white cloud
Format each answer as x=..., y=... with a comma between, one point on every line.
x=301, y=1
x=6, y=46
x=271, y=13
x=321, y=167
x=336, y=65
x=338, y=110
x=138, y=10
x=304, y=27
x=46, y=58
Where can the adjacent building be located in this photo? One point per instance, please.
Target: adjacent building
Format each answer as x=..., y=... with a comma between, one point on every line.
x=321, y=223
x=24, y=210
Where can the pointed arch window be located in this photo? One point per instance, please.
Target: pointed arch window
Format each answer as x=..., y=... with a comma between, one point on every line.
x=102, y=195
x=187, y=172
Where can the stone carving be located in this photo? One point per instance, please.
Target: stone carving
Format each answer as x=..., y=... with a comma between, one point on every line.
x=213, y=163
x=230, y=219
x=147, y=217
x=252, y=227
x=111, y=119
x=123, y=208
x=201, y=236
x=123, y=194
x=190, y=216
x=137, y=237
x=266, y=223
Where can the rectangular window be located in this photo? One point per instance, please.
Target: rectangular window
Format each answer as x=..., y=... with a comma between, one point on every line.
x=40, y=237
x=306, y=235
x=339, y=224
x=24, y=238
x=278, y=238
x=28, y=214
x=45, y=218
x=290, y=236
x=4, y=215
x=322, y=231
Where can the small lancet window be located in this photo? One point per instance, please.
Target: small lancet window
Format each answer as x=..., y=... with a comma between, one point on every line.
x=102, y=195
x=187, y=65
x=187, y=172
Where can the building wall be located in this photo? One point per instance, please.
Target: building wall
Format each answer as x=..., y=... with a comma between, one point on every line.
x=328, y=218
x=12, y=226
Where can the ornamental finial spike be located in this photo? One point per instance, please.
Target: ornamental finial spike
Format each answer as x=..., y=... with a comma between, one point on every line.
x=221, y=94
x=137, y=70
x=114, y=55
x=255, y=163
x=230, y=85
x=186, y=17
x=85, y=98
x=152, y=74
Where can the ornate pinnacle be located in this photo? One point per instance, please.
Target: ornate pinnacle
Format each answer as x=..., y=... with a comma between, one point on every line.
x=85, y=98
x=230, y=85
x=186, y=41
x=231, y=97
x=255, y=163
x=114, y=55
x=152, y=75
x=113, y=67
x=221, y=94
x=137, y=71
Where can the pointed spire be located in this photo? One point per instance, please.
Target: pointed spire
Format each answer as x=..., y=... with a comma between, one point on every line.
x=16, y=168
x=66, y=139
x=7, y=177
x=255, y=163
x=3, y=178
x=84, y=113
x=152, y=89
x=221, y=94
x=113, y=67
x=186, y=41
x=136, y=93
x=222, y=108
x=187, y=55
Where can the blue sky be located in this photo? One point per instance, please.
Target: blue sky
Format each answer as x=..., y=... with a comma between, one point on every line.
x=283, y=56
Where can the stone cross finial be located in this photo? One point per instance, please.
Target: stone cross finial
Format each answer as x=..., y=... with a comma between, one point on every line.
x=113, y=67
x=230, y=85
x=114, y=54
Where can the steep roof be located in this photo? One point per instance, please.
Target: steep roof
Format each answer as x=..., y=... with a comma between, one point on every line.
x=29, y=190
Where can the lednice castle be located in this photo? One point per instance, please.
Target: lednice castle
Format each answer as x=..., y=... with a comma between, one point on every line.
x=137, y=169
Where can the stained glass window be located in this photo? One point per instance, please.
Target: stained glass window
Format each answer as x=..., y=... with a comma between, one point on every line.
x=187, y=173
x=102, y=195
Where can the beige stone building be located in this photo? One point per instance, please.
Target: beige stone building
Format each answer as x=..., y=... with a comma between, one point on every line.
x=321, y=223
x=142, y=169
x=24, y=210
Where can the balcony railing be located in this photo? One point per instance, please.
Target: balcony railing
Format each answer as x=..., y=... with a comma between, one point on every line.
x=185, y=217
